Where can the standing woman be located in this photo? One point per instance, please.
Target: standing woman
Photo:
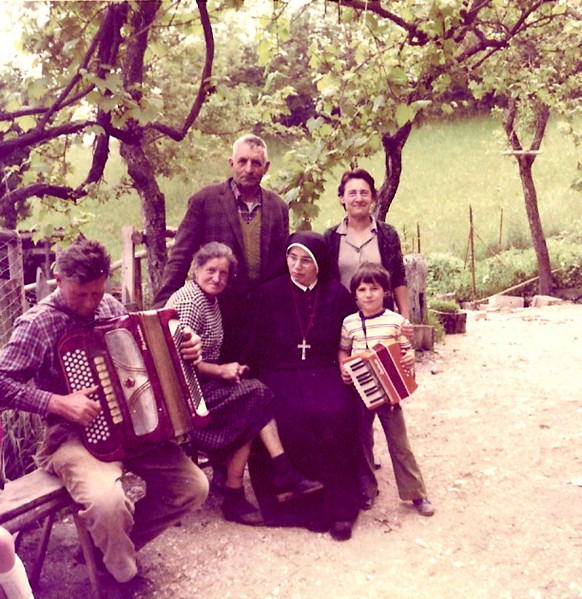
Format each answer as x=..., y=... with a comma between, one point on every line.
x=361, y=238
x=240, y=408
x=297, y=342
x=357, y=239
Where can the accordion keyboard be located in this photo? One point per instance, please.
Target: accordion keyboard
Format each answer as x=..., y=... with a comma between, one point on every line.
x=366, y=382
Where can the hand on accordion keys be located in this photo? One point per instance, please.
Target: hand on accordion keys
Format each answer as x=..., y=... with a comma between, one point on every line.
x=148, y=392
x=191, y=346
x=76, y=407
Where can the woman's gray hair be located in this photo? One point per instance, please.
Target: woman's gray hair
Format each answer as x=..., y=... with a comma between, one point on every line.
x=211, y=250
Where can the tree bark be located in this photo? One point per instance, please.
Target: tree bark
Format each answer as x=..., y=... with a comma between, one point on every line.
x=153, y=206
x=139, y=166
x=393, y=146
x=525, y=160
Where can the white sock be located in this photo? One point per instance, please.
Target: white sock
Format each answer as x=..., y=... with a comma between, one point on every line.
x=15, y=582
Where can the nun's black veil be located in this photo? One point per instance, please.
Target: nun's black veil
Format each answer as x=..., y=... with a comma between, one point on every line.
x=315, y=243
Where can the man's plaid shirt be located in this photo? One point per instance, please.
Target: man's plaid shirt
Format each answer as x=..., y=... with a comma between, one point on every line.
x=31, y=353
x=247, y=213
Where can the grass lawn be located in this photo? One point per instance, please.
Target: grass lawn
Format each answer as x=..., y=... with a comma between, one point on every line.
x=447, y=167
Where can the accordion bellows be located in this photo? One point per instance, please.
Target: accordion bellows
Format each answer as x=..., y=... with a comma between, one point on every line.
x=148, y=394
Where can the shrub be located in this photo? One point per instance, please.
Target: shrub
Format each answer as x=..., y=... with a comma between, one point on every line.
x=433, y=321
x=448, y=274
x=22, y=433
x=566, y=249
x=444, y=273
x=441, y=305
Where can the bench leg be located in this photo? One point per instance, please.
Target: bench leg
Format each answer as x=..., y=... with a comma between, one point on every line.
x=41, y=551
x=88, y=553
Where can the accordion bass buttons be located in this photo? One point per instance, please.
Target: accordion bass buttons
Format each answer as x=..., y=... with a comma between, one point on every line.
x=108, y=391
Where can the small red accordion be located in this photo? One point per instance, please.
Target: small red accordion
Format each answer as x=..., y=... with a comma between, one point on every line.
x=379, y=377
x=148, y=394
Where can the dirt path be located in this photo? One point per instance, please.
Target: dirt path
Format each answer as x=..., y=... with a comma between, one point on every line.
x=496, y=428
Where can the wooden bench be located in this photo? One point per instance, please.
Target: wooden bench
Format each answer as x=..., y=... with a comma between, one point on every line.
x=37, y=498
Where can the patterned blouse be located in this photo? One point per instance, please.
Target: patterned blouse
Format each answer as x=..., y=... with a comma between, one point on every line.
x=202, y=313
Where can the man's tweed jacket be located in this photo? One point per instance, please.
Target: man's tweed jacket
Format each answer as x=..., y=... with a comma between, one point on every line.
x=213, y=215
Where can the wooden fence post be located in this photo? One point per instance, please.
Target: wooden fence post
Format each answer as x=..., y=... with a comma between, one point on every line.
x=472, y=249
x=131, y=293
x=416, y=272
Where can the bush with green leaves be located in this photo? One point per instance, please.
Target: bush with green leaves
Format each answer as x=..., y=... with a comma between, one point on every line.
x=449, y=274
x=566, y=251
x=443, y=305
x=433, y=321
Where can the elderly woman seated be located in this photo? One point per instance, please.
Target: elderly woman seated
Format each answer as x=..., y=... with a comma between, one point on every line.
x=241, y=408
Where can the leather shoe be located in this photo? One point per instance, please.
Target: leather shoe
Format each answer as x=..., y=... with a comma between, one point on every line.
x=303, y=487
x=236, y=508
x=288, y=482
x=423, y=506
x=367, y=502
x=341, y=530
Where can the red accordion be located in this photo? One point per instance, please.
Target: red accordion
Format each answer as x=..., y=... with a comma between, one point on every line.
x=148, y=394
x=378, y=375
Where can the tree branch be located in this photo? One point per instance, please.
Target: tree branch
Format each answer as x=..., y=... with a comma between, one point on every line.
x=204, y=89
x=494, y=45
x=39, y=190
x=415, y=35
x=107, y=55
x=35, y=137
x=542, y=113
x=77, y=76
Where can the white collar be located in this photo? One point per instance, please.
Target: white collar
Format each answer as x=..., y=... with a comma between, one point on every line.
x=303, y=287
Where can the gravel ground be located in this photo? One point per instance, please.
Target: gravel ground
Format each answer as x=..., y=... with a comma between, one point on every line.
x=495, y=426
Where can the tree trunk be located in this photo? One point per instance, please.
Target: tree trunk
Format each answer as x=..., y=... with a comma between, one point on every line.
x=535, y=226
x=153, y=206
x=139, y=166
x=525, y=160
x=393, y=146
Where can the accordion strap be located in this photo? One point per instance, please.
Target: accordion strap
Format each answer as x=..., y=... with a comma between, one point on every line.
x=363, y=319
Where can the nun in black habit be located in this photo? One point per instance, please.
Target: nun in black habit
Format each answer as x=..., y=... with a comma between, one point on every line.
x=300, y=319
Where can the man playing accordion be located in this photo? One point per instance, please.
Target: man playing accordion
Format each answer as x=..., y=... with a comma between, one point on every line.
x=175, y=485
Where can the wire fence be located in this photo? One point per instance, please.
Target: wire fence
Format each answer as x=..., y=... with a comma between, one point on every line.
x=21, y=430
x=12, y=298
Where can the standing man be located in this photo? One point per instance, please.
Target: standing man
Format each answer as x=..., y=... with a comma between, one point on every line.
x=251, y=220
x=175, y=485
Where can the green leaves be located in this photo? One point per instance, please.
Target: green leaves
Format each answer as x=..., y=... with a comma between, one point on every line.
x=328, y=85
x=26, y=123
x=404, y=114
x=397, y=76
